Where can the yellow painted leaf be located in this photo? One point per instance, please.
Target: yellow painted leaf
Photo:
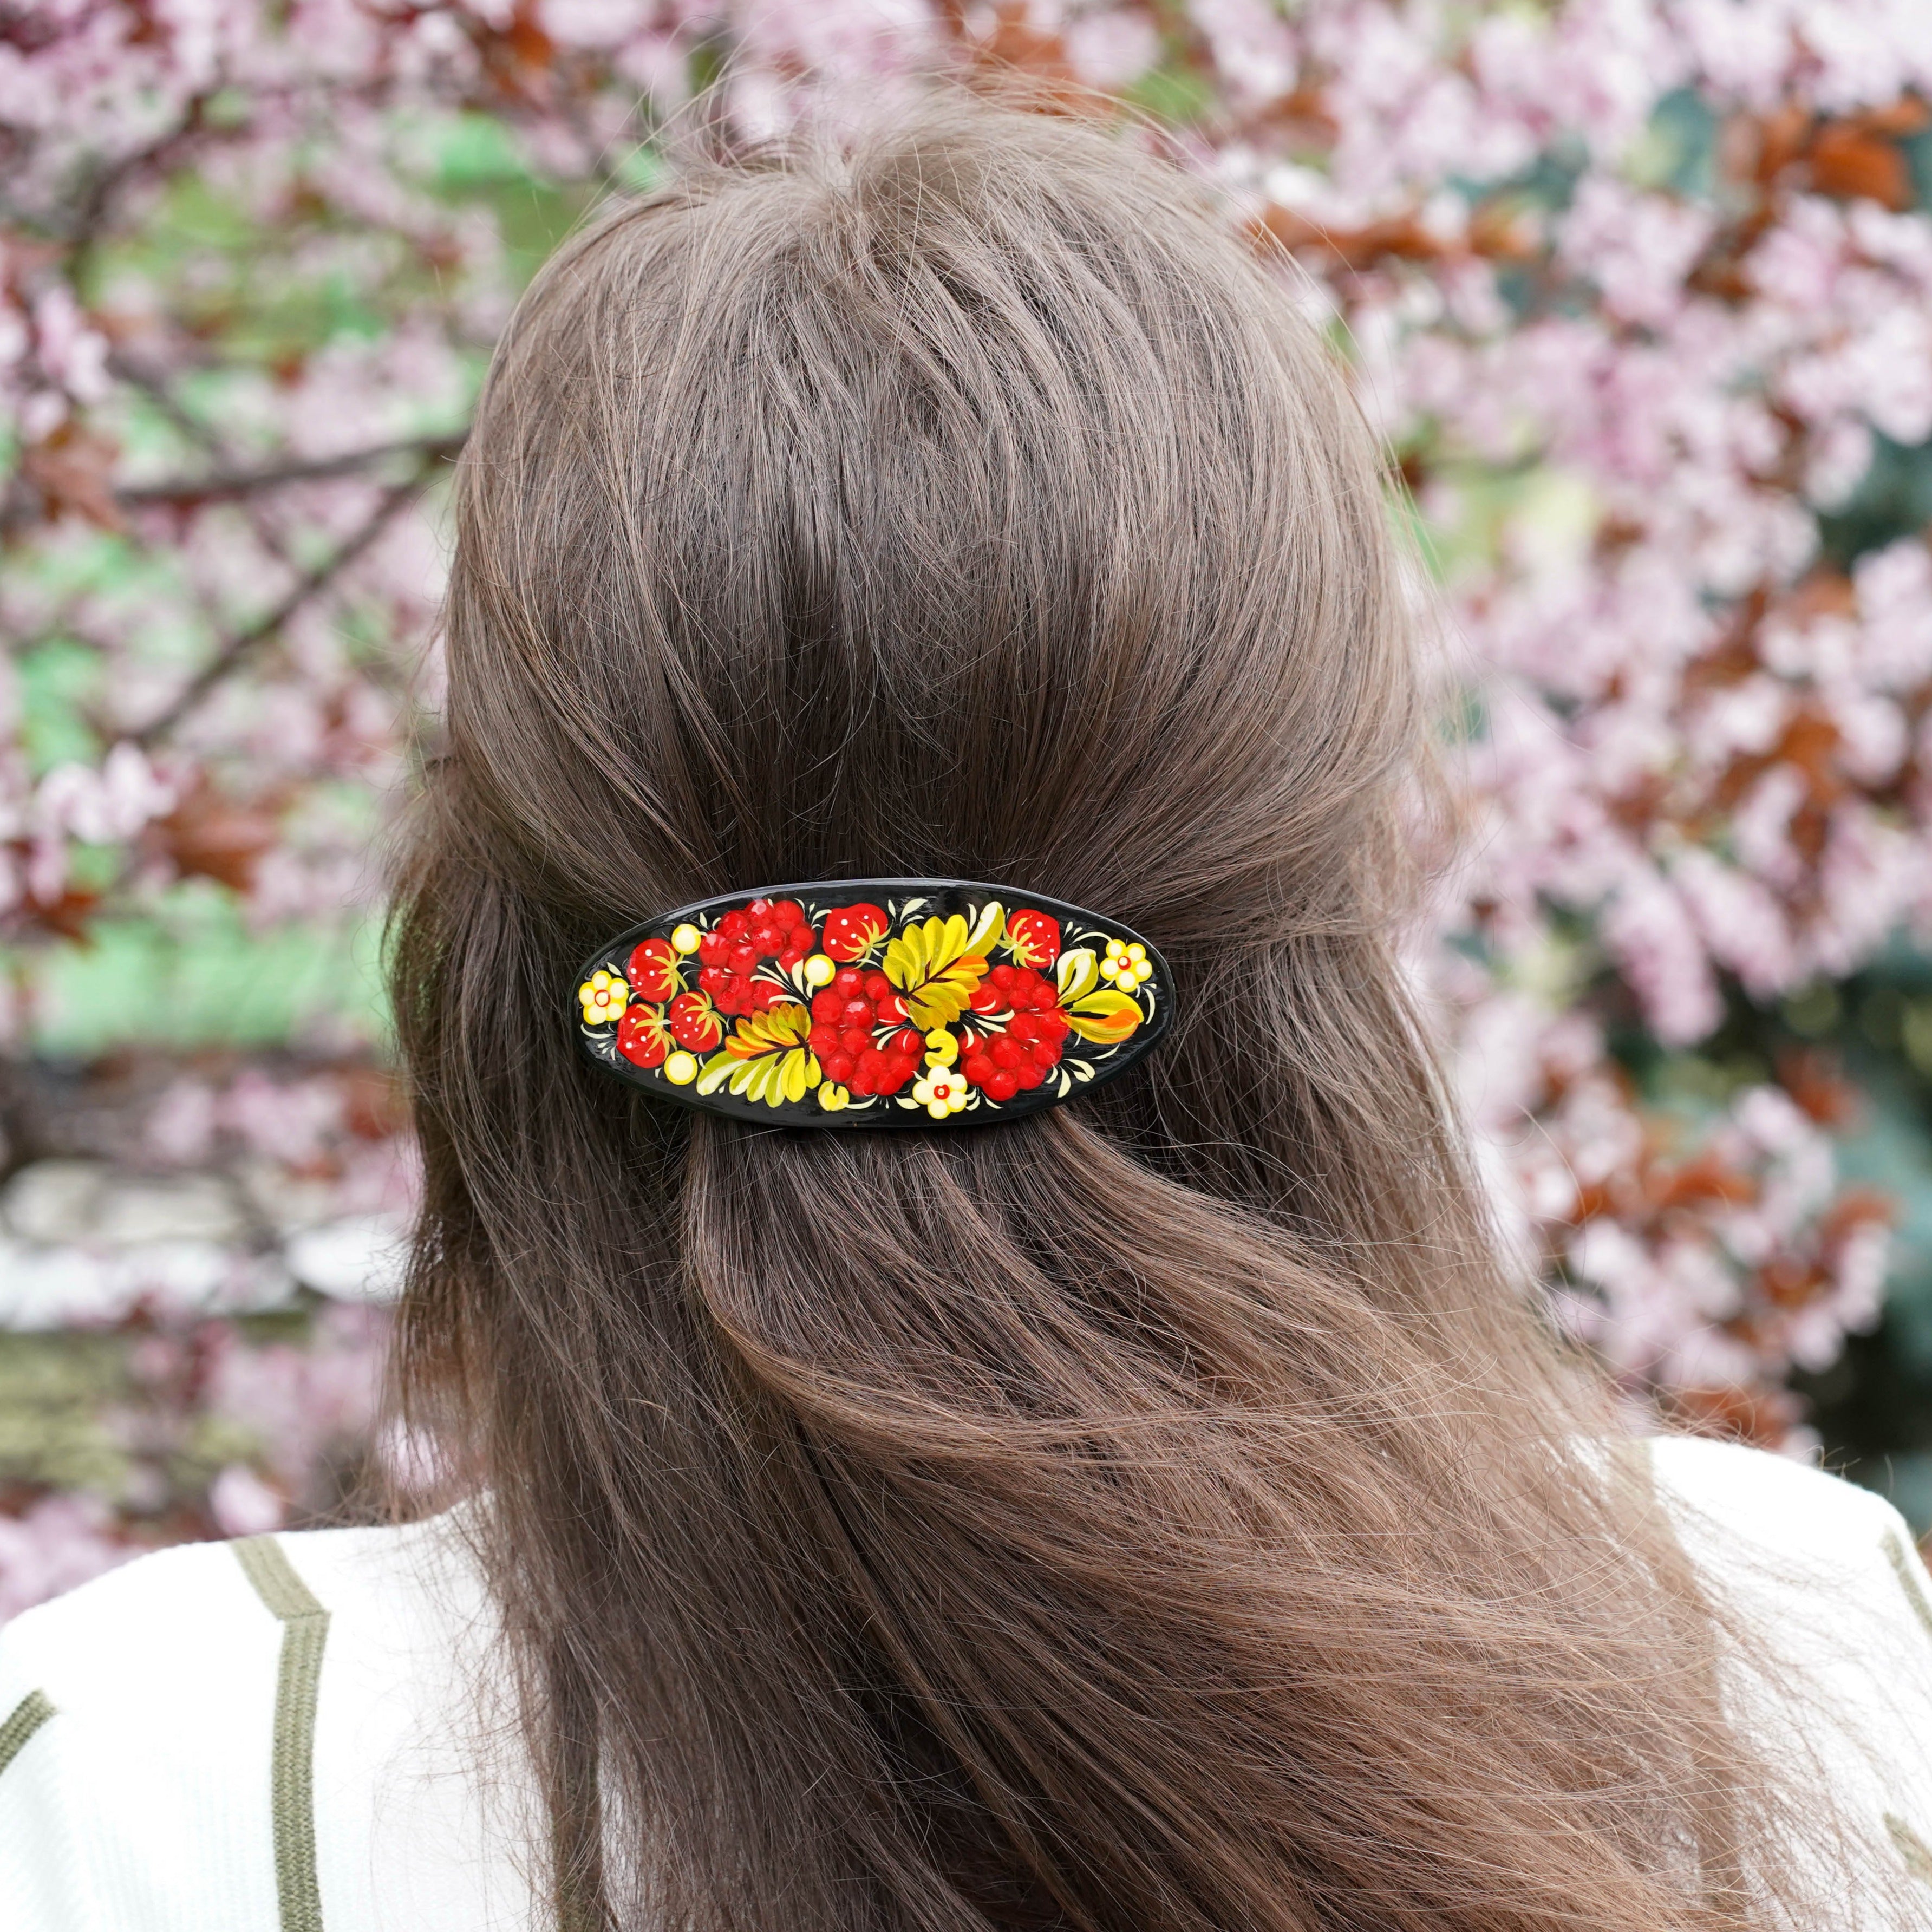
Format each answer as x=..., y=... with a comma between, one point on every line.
x=1078, y=973
x=770, y=1032
x=905, y=962
x=777, y=1077
x=925, y=947
x=765, y=1059
x=934, y=972
x=1106, y=1018
x=801, y=1071
x=942, y=999
x=987, y=928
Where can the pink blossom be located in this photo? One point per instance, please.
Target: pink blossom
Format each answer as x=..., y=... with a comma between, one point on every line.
x=57, y=1543
x=243, y=1504
x=1637, y=247
x=1112, y=49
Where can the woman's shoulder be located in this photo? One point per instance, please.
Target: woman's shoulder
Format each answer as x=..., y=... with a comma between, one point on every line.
x=1777, y=1496
x=104, y=1636
x=194, y=1737
x=1828, y=1576
x=152, y=1629
x=1830, y=1564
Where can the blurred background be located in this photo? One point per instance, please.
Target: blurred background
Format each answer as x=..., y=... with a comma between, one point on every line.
x=1639, y=292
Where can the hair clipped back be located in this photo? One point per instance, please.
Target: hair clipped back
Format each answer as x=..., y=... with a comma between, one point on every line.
x=1160, y=1513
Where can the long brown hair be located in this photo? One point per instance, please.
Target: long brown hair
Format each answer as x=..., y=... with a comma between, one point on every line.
x=1165, y=1512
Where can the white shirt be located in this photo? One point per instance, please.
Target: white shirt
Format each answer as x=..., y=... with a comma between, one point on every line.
x=280, y=1732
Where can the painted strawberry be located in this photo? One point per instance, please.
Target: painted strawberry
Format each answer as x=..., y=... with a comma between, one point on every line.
x=853, y=930
x=731, y=953
x=1014, y=1044
x=643, y=1038
x=694, y=1023
x=859, y=1034
x=1032, y=938
x=651, y=969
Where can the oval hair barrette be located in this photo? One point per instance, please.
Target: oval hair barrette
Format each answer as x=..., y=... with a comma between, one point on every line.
x=873, y=1003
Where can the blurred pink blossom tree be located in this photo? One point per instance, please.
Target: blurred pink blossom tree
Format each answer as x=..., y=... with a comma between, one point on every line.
x=1638, y=291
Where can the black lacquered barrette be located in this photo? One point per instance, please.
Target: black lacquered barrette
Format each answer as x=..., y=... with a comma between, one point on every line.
x=873, y=1003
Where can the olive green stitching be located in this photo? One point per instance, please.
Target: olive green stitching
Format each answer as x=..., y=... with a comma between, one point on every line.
x=291, y=1765
x=25, y=1718
x=1901, y=1567
x=1911, y=1848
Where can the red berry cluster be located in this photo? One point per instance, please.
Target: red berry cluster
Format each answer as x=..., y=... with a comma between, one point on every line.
x=734, y=949
x=1006, y=1063
x=846, y=1017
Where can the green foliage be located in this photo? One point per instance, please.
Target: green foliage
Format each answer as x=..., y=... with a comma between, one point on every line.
x=1893, y=500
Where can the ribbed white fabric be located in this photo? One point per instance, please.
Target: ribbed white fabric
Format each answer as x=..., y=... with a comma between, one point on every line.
x=145, y=1801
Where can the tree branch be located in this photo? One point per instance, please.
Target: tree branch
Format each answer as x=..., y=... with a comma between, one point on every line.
x=96, y=197
x=243, y=644
x=186, y=492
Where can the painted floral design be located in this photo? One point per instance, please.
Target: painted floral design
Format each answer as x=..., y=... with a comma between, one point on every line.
x=1127, y=966
x=643, y=1038
x=652, y=969
x=1020, y=1027
x=732, y=952
x=766, y=1057
x=860, y=1032
x=943, y=1092
x=913, y=1008
x=693, y=1022
x=603, y=998
x=1032, y=938
x=852, y=932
